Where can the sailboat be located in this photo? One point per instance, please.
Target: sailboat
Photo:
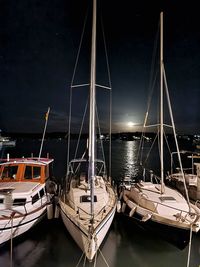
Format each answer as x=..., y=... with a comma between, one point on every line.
x=88, y=202
x=149, y=201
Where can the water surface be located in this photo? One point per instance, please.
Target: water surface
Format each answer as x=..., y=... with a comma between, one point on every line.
x=48, y=244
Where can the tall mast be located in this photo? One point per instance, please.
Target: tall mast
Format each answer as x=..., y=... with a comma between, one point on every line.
x=92, y=132
x=161, y=103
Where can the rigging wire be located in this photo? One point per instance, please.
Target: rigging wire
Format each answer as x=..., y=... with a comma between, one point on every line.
x=103, y=258
x=71, y=88
x=79, y=261
x=152, y=82
x=81, y=128
x=71, y=95
x=44, y=131
x=101, y=142
x=176, y=142
x=110, y=85
x=151, y=147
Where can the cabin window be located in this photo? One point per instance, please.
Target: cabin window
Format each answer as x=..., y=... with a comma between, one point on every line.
x=167, y=198
x=1, y=200
x=87, y=198
x=46, y=171
x=41, y=193
x=19, y=201
x=32, y=172
x=35, y=198
x=9, y=171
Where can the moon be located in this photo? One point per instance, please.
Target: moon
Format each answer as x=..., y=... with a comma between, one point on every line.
x=130, y=124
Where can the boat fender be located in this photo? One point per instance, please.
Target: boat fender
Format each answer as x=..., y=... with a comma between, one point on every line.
x=121, y=195
x=51, y=187
x=8, y=201
x=123, y=207
x=57, y=212
x=146, y=217
x=50, y=211
x=56, y=200
x=118, y=206
x=132, y=212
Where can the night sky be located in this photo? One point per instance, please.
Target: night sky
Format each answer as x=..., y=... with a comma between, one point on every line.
x=39, y=42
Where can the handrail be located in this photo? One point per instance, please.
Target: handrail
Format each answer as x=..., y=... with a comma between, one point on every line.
x=102, y=209
x=79, y=208
x=183, y=214
x=24, y=205
x=162, y=204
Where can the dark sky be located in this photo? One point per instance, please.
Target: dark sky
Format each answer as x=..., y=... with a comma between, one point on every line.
x=38, y=47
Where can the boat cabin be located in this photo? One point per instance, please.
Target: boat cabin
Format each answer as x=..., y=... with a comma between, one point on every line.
x=25, y=170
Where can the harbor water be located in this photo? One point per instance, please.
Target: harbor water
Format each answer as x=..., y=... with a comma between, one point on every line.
x=48, y=244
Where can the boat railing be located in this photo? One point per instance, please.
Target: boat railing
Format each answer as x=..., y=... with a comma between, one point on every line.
x=80, y=209
x=150, y=175
x=102, y=210
x=157, y=178
x=182, y=214
x=14, y=207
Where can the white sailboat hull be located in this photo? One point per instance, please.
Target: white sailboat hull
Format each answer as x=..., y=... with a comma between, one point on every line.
x=88, y=243
x=88, y=229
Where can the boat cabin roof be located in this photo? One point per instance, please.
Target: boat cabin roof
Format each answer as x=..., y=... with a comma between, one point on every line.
x=25, y=170
x=39, y=161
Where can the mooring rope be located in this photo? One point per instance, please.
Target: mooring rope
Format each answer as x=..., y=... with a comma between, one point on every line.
x=104, y=258
x=80, y=259
x=190, y=245
x=11, y=240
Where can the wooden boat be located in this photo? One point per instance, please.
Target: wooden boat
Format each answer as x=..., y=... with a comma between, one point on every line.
x=25, y=194
x=88, y=202
x=151, y=203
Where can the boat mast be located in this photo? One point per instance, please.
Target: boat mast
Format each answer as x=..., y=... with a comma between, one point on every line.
x=92, y=132
x=45, y=127
x=161, y=103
